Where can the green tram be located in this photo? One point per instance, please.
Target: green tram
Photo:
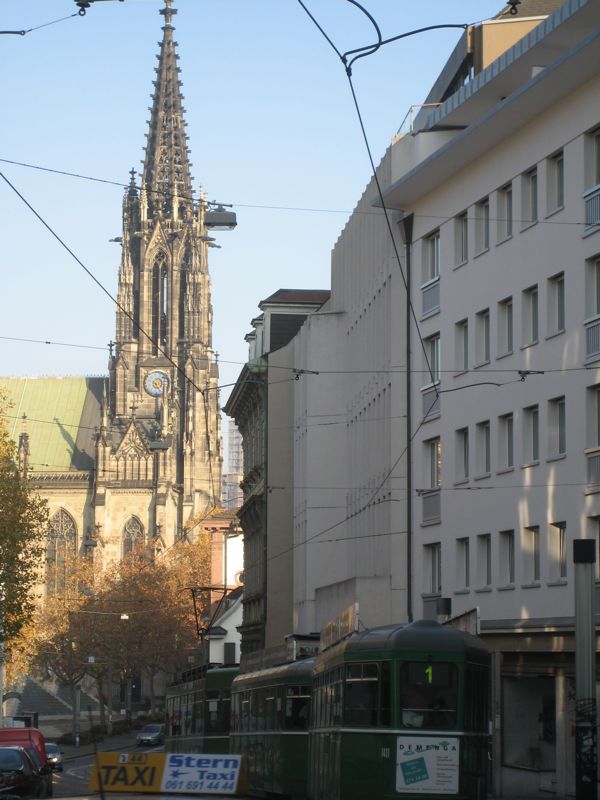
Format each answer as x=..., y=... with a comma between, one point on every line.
x=198, y=708
x=400, y=712
x=269, y=726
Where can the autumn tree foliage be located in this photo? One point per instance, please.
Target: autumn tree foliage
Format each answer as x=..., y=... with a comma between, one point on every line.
x=23, y=522
x=134, y=619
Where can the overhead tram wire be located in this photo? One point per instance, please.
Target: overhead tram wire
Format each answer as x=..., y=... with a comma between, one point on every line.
x=395, y=370
x=37, y=27
x=178, y=369
x=441, y=218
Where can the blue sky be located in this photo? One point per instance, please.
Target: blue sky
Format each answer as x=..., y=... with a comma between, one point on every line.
x=272, y=130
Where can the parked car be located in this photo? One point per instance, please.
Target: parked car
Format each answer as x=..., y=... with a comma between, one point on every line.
x=151, y=734
x=55, y=756
x=19, y=774
x=32, y=740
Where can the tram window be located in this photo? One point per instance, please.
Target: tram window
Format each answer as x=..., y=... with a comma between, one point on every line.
x=260, y=697
x=211, y=710
x=361, y=694
x=337, y=703
x=246, y=711
x=385, y=697
x=270, y=710
x=428, y=694
x=297, y=703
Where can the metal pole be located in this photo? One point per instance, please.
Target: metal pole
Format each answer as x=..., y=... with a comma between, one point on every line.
x=77, y=715
x=584, y=558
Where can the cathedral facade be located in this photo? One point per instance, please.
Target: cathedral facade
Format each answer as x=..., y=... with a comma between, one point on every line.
x=131, y=459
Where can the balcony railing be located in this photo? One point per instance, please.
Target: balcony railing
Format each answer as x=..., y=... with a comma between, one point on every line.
x=592, y=208
x=432, y=504
x=592, y=339
x=431, y=296
x=431, y=403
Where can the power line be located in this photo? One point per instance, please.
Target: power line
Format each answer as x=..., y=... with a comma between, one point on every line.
x=24, y=31
x=441, y=218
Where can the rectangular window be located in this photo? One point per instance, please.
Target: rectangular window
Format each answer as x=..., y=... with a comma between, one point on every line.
x=507, y=558
x=505, y=327
x=431, y=257
x=463, y=563
x=484, y=560
x=592, y=159
x=558, y=550
x=532, y=553
x=505, y=213
x=506, y=456
x=482, y=433
x=432, y=365
x=557, y=434
x=530, y=316
x=556, y=303
x=592, y=437
x=482, y=225
x=592, y=287
x=555, y=182
x=433, y=456
x=433, y=568
x=529, y=197
x=461, y=345
x=531, y=435
x=482, y=334
x=462, y=454
x=461, y=239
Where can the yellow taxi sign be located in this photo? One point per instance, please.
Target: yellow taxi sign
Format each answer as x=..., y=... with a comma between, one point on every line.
x=127, y=772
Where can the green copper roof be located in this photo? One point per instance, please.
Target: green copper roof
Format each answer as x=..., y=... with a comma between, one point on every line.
x=61, y=415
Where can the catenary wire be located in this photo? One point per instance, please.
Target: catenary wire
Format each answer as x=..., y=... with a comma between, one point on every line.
x=441, y=218
x=394, y=370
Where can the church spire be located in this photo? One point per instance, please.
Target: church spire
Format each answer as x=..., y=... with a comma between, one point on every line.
x=166, y=165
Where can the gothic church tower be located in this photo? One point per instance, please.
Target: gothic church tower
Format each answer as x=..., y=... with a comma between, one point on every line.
x=158, y=455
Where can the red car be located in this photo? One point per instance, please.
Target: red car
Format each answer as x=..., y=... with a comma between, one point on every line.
x=19, y=775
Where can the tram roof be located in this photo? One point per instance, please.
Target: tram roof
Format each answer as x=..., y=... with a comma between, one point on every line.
x=293, y=673
x=422, y=636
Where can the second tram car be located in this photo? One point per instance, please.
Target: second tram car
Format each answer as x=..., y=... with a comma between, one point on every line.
x=269, y=726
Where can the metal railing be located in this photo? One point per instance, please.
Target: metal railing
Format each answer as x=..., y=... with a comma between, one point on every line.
x=432, y=505
x=431, y=296
x=592, y=208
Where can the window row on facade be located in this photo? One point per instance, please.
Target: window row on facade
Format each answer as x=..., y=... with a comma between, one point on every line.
x=501, y=560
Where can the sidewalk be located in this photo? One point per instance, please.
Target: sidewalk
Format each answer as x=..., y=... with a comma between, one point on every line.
x=122, y=741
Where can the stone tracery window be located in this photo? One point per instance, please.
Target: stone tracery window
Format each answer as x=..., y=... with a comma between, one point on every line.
x=133, y=536
x=61, y=550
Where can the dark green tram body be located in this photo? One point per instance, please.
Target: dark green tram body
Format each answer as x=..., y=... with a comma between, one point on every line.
x=269, y=726
x=198, y=711
x=400, y=712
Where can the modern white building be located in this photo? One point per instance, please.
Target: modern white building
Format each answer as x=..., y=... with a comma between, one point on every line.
x=450, y=450
x=499, y=185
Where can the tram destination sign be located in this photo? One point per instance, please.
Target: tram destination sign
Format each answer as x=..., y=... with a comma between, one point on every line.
x=427, y=765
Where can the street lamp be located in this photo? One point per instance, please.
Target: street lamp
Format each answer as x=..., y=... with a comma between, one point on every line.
x=217, y=218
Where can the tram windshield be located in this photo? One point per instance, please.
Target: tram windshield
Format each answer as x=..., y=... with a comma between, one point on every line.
x=428, y=694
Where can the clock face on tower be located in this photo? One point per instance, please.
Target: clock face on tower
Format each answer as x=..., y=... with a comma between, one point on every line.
x=156, y=383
